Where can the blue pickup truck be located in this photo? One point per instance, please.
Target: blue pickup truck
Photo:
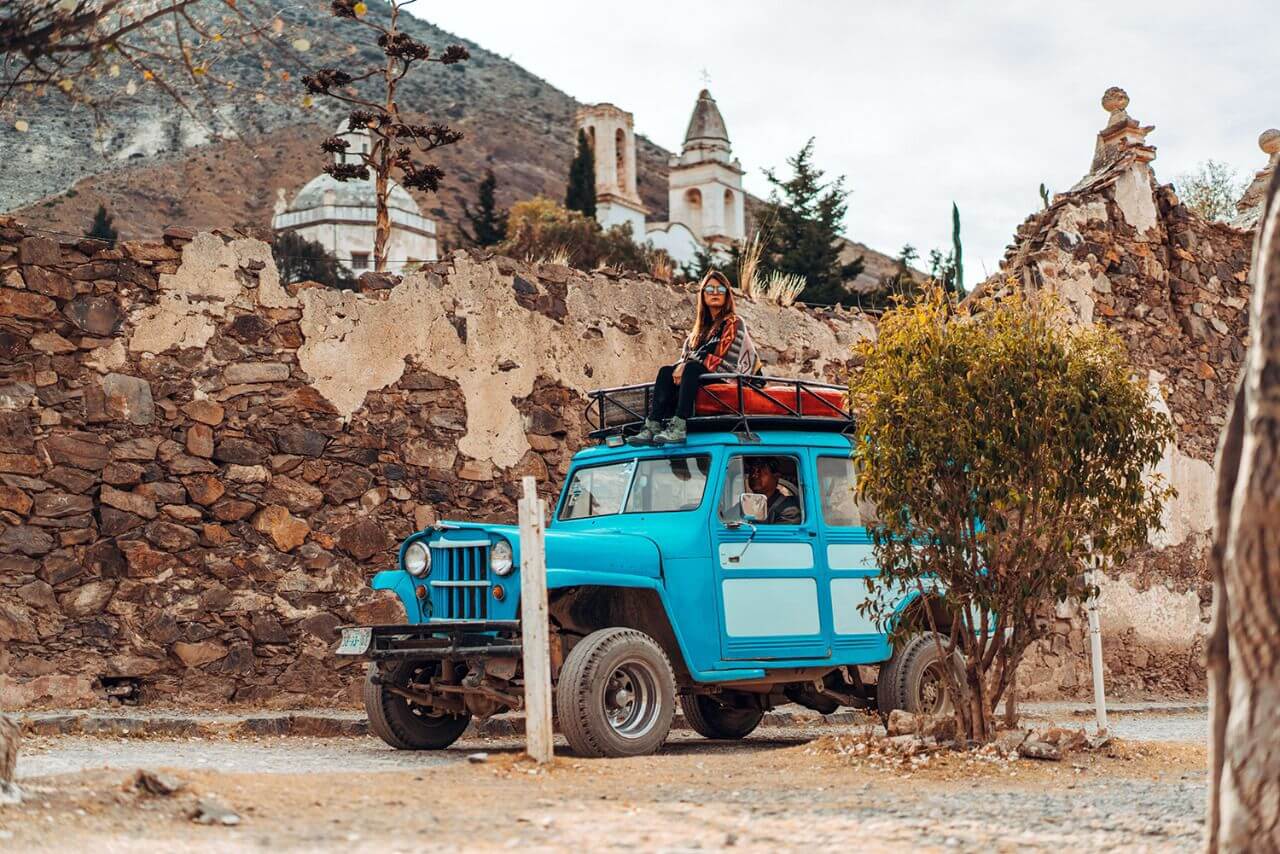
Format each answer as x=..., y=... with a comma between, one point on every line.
x=725, y=573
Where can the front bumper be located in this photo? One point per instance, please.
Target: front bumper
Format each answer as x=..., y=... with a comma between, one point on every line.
x=434, y=641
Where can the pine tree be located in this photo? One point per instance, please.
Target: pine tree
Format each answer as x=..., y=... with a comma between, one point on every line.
x=581, y=194
x=488, y=223
x=803, y=217
x=101, y=228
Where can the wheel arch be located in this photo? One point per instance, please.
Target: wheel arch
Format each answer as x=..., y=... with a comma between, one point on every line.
x=914, y=610
x=580, y=609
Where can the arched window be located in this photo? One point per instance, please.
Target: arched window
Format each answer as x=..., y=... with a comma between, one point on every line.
x=620, y=157
x=730, y=215
x=693, y=204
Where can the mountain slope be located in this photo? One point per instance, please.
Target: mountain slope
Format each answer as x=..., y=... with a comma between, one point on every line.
x=157, y=166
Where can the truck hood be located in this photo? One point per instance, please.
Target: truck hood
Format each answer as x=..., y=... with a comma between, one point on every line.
x=596, y=550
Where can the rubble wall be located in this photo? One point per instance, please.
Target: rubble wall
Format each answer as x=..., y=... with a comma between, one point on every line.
x=200, y=468
x=1122, y=251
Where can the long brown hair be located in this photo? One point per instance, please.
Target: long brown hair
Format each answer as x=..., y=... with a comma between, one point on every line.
x=702, y=319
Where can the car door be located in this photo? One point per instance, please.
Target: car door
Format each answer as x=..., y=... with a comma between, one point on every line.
x=772, y=605
x=846, y=553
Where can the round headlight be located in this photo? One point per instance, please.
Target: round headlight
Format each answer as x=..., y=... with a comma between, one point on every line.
x=500, y=557
x=417, y=559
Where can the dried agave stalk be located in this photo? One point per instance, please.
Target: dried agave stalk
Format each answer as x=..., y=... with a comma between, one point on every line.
x=749, y=266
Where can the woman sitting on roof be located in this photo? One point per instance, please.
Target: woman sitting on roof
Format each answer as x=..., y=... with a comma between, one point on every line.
x=718, y=344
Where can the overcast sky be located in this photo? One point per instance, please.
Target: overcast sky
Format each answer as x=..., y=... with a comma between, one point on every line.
x=917, y=103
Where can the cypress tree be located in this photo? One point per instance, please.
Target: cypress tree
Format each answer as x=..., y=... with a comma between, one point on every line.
x=302, y=260
x=488, y=223
x=802, y=237
x=101, y=228
x=581, y=194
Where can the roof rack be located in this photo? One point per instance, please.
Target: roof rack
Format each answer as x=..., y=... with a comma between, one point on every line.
x=736, y=402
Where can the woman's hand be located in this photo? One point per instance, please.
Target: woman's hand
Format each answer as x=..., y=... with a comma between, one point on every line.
x=679, y=372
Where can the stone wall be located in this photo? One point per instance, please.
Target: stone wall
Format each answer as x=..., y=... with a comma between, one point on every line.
x=1122, y=251
x=200, y=467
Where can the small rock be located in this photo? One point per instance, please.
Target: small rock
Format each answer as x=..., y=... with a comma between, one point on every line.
x=477, y=758
x=285, y=530
x=1032, y=749
x=902, y=723
x=204, y=411
x=211, y=811
x=200, y=440
x=157, y=782
x=255, y=372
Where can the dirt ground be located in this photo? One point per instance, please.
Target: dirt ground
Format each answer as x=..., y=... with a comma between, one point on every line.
x=777, y=790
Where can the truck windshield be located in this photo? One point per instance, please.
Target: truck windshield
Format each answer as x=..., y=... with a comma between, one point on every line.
x=637, y=486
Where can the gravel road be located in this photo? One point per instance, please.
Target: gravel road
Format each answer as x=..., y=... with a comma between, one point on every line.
x=777, y=790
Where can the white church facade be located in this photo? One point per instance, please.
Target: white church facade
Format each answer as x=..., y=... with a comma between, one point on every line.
x=341, y=217
x=706, y=203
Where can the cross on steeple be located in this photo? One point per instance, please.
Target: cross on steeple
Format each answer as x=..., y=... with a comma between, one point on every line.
x=706, y=78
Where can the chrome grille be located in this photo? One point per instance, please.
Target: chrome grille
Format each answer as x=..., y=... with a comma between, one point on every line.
x=460, y=580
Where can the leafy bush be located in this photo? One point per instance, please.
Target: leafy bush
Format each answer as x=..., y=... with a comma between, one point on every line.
x=1005, y=453
x=540, y=230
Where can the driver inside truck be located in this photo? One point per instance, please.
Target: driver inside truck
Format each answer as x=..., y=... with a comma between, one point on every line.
x=783, y=505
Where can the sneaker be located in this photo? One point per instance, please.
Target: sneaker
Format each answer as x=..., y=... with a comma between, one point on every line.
x=673, y=433
x=645, y=436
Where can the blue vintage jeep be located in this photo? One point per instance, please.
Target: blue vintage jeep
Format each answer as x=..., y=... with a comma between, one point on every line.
x=726, y=572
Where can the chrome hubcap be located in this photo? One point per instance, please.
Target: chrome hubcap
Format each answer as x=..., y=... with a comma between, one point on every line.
x=631, y=699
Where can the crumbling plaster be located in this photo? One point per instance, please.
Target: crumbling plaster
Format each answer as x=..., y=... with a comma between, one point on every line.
x=469, y=327
x=202, y=289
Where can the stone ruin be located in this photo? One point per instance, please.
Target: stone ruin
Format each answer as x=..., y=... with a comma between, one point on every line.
x=1122, y=251
x=200, y=467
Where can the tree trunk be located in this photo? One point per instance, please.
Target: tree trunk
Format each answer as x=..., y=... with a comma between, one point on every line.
x=1244, y=651
x=10, y=735
x=382, y=228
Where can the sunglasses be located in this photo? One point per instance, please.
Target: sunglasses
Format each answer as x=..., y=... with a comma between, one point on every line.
x=715, y=289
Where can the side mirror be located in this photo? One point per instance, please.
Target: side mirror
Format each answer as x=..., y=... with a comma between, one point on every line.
x=755, y=507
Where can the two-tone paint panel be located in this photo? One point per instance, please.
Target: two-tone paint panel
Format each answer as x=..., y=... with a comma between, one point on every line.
x=772, y=601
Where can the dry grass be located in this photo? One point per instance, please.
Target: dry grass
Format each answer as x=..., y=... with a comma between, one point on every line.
x=561, y=255
x=661, y=267
x=776, y=288
x=782, y=288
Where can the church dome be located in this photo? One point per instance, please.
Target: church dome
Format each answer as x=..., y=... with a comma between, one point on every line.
x=353, y=193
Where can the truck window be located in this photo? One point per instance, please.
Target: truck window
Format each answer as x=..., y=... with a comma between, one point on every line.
x=776, y=477
x=840, y=506
x=660, y=485
x=665, y=486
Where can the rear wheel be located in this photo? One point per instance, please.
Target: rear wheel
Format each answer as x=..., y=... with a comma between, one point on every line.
x=400, y=722
x=712, y=719
x=616, y=694
x=915, y=679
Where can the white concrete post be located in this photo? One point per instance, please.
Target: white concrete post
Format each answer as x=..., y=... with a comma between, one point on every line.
x=533, y=624
x=1095, y=657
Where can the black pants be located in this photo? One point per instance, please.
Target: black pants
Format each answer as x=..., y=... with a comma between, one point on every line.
x=671, y=399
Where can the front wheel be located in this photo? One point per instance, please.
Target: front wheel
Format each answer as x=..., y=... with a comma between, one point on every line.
x=915, y=679
x=400, y=722
x=711, y=719
x=616, y=694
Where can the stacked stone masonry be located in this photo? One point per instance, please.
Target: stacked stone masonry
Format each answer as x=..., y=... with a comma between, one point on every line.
x=201, y=468
x=1120, y=250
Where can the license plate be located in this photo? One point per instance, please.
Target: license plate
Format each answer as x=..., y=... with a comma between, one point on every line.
x=355, y=641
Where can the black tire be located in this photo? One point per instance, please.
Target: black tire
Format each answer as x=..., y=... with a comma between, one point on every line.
x=913, y=679
x=710, y=719
x=616, y=694
x=401, y=723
